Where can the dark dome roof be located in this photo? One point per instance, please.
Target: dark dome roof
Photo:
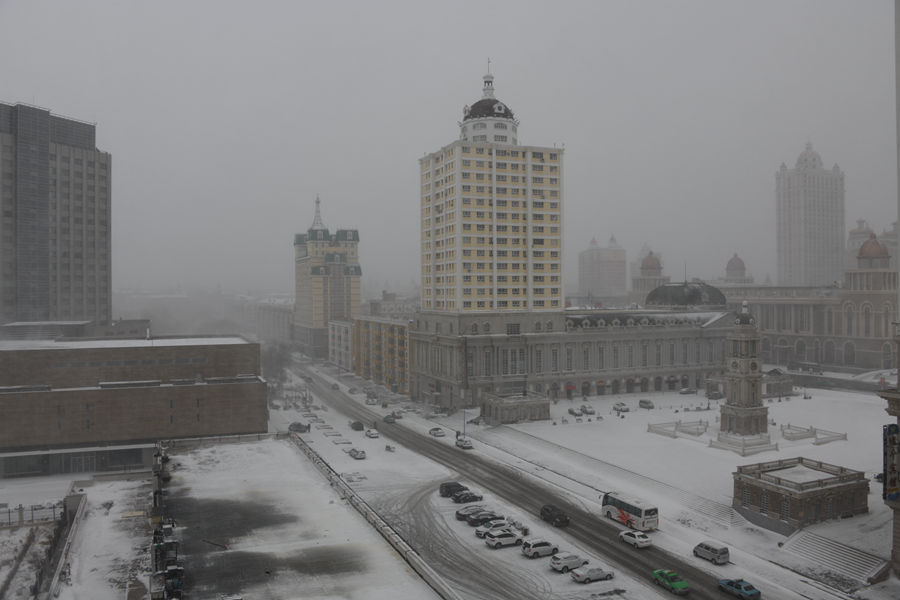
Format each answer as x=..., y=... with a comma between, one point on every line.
x=692, y=293
x=488, y=107
x=735, y=264
x=650, y=262
x=872, y=248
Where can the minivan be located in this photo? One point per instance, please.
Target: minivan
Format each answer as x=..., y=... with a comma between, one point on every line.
x=645, y=403
x=712, y=551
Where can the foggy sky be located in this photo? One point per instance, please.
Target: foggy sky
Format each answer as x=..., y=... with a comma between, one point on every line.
x=225, y=119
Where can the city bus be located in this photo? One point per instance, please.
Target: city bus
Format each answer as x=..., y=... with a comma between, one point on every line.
x=629, y=511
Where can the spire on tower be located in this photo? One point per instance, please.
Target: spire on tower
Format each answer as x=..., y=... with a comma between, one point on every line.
x=317, y=222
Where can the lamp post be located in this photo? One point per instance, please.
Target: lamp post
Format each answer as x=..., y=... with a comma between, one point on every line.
x=464, y=423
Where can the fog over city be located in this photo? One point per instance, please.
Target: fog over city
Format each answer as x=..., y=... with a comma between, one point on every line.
x=225, y=120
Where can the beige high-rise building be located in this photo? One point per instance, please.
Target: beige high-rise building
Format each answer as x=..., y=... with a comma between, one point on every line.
x=326, y=275
x=603, y=272
x=491, y=213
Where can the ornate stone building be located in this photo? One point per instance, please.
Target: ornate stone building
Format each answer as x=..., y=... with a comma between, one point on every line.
x=326, y=276
x=650, y=278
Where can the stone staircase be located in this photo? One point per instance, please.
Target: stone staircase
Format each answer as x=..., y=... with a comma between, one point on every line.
x=835, y=556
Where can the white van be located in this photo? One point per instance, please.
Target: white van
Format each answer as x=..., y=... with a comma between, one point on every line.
x=712, y=551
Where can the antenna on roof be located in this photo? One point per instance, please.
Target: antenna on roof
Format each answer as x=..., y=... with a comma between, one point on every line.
x=685, y=270
x=489, y=65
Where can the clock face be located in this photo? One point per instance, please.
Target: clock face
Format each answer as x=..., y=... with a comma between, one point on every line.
x=753, y=366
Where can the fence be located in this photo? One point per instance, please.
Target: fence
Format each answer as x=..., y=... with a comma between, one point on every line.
x=29, y=515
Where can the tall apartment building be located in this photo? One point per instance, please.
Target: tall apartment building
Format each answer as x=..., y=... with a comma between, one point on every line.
x=55, y=194
x=810, y=222
x=326, y=276
x=491, y=218
x=603, y=272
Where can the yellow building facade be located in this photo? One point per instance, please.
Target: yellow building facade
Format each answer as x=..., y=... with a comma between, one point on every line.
x=491, y=218
x=380, y=350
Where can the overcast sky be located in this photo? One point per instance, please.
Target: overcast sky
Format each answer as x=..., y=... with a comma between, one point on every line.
x=225, y=119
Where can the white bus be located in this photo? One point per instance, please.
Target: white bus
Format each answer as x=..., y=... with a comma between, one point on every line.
x=629, y=511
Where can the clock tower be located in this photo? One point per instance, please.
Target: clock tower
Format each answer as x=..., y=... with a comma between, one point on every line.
x=743, y=413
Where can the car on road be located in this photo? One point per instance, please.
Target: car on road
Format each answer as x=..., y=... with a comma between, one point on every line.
x=436, y=432
x=298, y=427
x=713, y=552
x=554, y=515
x=645, y=403
x=397, y=414
x=464, y=443
x=502, y=537
x=638, y=539
x=389, y=419
x=588, y=409
x=463, y=513
x=357, y=425
x=575, y=412
x=620, y=407
x=357, y=453
x=672, y=581
x=335, y=386
x=535, y=547
x=588, y=574
x=566, y=561
x=448, y=488
x=740, y=588
x=466, y=496
x=480, y=518
x=687, y=390
x=494, y=525
x=371, y=433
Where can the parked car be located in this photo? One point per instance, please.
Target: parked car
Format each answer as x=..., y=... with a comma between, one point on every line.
x=565, y=561
x=397, y=414
x=357, y=453
x=638, y=539
x=502, y=537
x=645, y=403
x=357, y=425
x=575, y=412
x=371, y=401
x=494, y=525
x=713, y=552
x=371, y=433
x=436, y=432
x=620, y=407
x=535, y=547
x=448, y=488
x=389, y=419
x=687, y=390
x=588, y=574
x=740, y=588
x=335, y=386
x=554, y=515
x=466, y=496
x=480, y=518
x=464, y=443
x=352, y=390
x=298, y=427
x=588, y=409
x=715, y=395
x=463, y=513
x=672, y=581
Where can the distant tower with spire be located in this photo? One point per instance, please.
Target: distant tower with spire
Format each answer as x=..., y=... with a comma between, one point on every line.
x=327, y=283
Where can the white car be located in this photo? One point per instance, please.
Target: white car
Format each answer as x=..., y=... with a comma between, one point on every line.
x=464, y=443
x=588, y=409
x=620, y=407
x=502, y=537
x=371, y=433
x=638, y=539
x=494, y=525
x=436, y=432
x=564, y=561
x=588, y=574
x=534, y=547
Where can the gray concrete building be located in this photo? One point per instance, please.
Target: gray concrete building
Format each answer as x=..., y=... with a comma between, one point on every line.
x=809, y=204
x=55, y=195
x=602, y=273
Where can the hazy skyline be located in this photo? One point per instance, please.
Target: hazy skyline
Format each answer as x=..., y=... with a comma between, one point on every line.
x=226, y=119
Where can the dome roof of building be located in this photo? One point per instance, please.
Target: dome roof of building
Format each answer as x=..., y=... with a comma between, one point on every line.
x=689, y=293
x=735, y=264
x=743, y=316
x=488, y=106
x=872, y=248
x=651, y=261
x=809, y=159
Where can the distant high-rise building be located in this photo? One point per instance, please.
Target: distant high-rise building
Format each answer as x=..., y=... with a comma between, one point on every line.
x=55, y=194
x=326, y=274
x=491, y=215
x=602, y=272
x=810, y=222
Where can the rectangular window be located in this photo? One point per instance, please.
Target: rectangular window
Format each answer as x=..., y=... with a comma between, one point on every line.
x=487, y=360
x=570, y=356
x=554, y=360
x=600, y=365
x=538, y=361
x=513, y=329
x=586, y=358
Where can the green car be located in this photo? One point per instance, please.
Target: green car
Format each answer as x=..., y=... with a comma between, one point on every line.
x=671, y=580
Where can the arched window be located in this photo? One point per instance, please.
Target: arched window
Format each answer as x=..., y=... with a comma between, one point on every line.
x=828, y=359
x=848, y=330
x=800, y=350
x=849, y=354
x=867, y=321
